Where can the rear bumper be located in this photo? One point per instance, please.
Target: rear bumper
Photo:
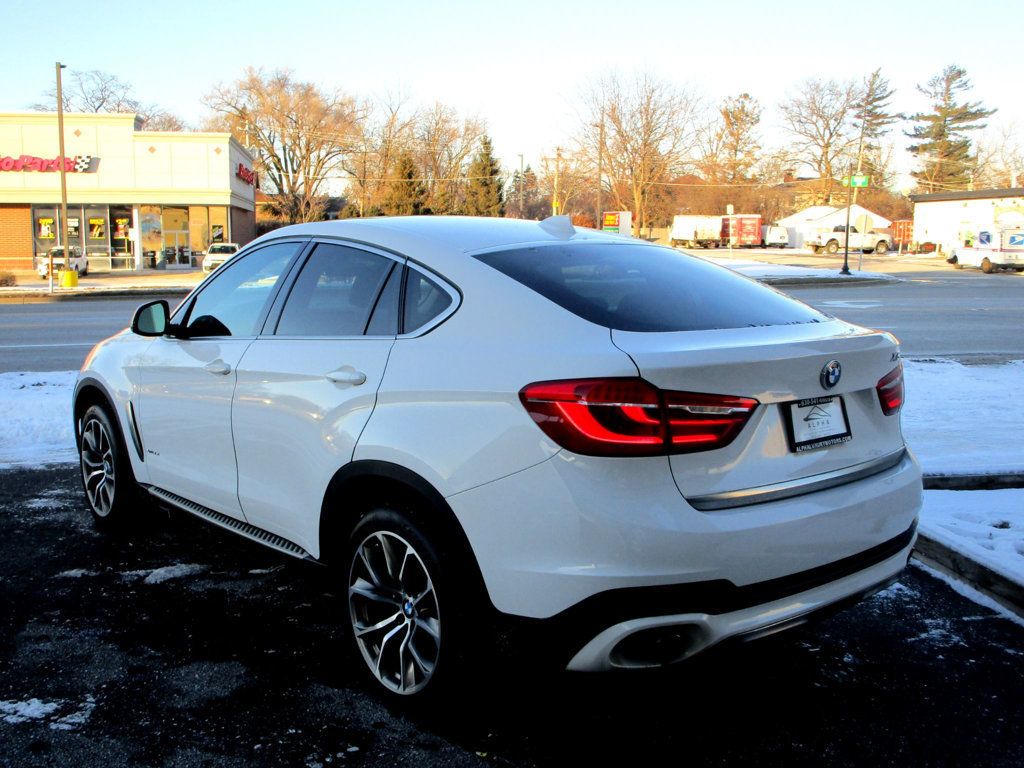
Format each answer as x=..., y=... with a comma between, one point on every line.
x=706, y=614
x=566, y=531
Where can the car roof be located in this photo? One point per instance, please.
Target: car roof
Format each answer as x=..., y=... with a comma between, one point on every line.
x=469, y=234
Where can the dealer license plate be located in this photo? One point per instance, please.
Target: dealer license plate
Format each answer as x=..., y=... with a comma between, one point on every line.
x=817, y=423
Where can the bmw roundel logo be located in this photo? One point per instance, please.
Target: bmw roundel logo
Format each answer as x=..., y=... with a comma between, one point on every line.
x=830, y=374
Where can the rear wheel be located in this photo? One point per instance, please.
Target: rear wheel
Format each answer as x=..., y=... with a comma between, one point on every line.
x=987, y=267
x=832, y=247
x=107, y=476
x=882, y=248
x=406, y=608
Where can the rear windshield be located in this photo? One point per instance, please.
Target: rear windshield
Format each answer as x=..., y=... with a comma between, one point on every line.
x=640, y=288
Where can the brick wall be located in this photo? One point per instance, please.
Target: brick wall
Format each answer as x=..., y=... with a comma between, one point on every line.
x=15, y=236
x=243, y=226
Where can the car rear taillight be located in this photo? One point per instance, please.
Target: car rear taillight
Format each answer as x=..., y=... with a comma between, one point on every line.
x=890, y=391
x=631, y=417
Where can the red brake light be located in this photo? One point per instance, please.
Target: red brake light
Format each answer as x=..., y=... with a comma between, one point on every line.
x=890, y=391
x=630, y=417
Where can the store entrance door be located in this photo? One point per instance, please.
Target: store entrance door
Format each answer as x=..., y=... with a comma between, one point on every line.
x=177, y=253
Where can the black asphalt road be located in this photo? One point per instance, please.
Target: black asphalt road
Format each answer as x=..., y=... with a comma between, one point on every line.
x=234, y=658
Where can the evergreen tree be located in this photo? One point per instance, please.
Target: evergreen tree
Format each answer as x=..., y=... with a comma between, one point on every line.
x=484, y=190
x=406, y=194
x=942, y=148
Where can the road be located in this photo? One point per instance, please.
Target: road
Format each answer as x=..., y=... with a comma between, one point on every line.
x=57, y=336
x=965, y=315
x=239, y=661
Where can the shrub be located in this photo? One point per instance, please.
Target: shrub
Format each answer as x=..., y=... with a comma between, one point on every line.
x=7, y=279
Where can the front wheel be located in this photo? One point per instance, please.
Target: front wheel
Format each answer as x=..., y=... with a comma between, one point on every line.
x=106, y=472
x=403, y=608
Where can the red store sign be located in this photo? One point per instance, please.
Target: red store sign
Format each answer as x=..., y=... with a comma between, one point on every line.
x=78, y=164
x=246, y=174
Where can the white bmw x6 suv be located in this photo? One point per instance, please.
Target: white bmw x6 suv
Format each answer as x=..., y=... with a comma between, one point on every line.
x=628, y=446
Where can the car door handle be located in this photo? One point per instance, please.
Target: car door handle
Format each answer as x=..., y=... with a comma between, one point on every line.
x=218, y=367
x=347, y=375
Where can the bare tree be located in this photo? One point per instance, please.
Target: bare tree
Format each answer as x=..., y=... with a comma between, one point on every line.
x=1000, y=158
x=728, y=145
x=96, y=91
x=385, y=132
x=649, y=126
x=445, y=144
x=819, y=119
x=298, y=134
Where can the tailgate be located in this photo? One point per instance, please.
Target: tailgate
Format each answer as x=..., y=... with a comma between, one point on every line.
x=777, y=365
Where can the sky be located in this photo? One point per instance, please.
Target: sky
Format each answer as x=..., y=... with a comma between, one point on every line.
x=520, y=66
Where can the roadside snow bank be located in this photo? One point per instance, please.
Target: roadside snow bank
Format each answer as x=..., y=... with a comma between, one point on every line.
x=957, y=420
x=762, y=270
x=986, y=526
x=37, y=429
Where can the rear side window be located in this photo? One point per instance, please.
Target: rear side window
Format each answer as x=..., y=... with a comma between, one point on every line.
x=334, y=293
x=424, y=300
x=640, y=288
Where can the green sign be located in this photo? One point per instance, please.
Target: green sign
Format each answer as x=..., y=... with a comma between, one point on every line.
x=857, y=180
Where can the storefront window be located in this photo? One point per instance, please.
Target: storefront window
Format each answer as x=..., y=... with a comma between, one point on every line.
x=177, y=251
x=218, y=224
x=198, y=228
x=152, y=234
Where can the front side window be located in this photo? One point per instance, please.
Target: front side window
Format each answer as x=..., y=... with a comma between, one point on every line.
x=334, y=293
x=233, y=302
x=642, y=288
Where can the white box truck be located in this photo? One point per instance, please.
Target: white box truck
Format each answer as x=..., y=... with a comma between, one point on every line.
x=691, y=231
x=774, y=236
x=993, y=250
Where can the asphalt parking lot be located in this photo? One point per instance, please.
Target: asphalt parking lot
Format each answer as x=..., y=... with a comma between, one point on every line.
x=178, y=645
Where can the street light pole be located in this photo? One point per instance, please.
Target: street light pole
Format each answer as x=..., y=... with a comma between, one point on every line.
x=600, y=170
x=63, y=180
x=846, y=242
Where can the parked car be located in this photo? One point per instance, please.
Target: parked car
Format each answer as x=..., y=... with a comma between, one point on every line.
x=217, y=254
x=632, y=452
x=774, y=236
x=834, y=241
x=77, y=262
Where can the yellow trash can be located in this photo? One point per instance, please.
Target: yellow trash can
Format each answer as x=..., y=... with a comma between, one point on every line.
x=68, y=278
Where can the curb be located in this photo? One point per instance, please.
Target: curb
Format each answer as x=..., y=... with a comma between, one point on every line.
x=34, y=297
x=817, y=282
x=973, y=482
x=1004, y=591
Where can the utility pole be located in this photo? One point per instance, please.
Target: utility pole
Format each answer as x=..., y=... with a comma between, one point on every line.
x=600, y=170
x=554, y=198
x=860, y=157
x=63, y=180
x=522, y=208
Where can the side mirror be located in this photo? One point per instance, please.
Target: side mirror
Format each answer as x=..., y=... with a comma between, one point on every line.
x=152, y=319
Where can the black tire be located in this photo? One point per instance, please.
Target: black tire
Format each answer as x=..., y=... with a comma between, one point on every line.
x=815, y=249
x=881, y=248
x=107, y=478
x=419, y=647
x=987, y=266
x=832, y=247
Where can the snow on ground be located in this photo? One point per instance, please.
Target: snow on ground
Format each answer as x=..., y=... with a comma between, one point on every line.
x=986, y=526
x=168, y=572
x=38, y=427
x=62, y=715
x=956, y=418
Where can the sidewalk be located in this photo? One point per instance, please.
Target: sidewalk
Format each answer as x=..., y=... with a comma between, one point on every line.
x=31, y=289
x=892, y=264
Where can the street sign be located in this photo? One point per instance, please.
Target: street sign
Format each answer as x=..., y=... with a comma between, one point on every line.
x=857, y=180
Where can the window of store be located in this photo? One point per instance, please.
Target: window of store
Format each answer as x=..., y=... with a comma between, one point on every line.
x=198, y=228
x=122, y=247
x=176, y=249
x=219, y=224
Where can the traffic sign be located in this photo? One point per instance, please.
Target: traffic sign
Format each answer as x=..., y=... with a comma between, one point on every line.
x=857, y=180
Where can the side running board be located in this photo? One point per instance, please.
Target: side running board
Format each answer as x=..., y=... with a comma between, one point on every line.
x=248, y=530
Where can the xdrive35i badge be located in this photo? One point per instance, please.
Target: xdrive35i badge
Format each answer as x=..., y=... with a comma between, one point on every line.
x=830, y=374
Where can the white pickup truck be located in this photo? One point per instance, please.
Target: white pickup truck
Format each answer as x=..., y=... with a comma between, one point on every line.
x=832, y=242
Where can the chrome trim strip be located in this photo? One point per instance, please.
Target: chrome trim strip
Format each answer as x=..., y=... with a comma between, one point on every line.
x=248, y=530
x=790, y=488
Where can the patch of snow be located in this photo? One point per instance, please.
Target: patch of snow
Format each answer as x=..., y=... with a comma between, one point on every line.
x=168, y=572
x=947, y=404
x=75, y=573
x=22, y=711
x=761, y=270
x=37, y=429
x=76, y=719
x=986, y=526
x=966, y=590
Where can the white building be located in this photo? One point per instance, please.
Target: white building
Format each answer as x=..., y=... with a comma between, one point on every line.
x=952, y=219
x=137, y=198
x=824, y=218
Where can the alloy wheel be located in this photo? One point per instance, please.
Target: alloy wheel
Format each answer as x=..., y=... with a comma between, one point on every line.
x=98, y=466
x=394, y=612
